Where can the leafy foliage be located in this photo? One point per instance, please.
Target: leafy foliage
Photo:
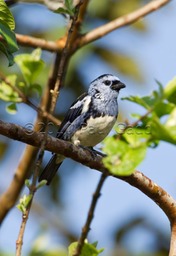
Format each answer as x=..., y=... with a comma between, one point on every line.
x=126, y=151
x=31, y=66
x=7, y=25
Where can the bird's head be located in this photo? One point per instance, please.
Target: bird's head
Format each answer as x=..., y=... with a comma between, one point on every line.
x=106, y=85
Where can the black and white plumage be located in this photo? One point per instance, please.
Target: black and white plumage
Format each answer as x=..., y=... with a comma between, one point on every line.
x=89, y=119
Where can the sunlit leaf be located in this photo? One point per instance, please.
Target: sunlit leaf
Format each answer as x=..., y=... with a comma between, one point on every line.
x=7, y=93
x=6, y=15
x=160, y=131
x=30, y=65
x=87, y=250
x=123, y=157
x=170, y=91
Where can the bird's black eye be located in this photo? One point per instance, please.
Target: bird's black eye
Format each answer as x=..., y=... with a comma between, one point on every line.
x=107, y=82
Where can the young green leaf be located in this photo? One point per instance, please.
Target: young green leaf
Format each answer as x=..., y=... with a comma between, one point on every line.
x=24, y=202
x=161, y=131
x=11, y=108
x=69, y=8
x=30, y=65
x=170, y=91
x=87, y=250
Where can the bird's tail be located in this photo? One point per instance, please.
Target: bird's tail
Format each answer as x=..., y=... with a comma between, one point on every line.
x=50, y=170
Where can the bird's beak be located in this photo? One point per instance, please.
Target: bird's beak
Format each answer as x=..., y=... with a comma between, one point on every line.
x=117, y=86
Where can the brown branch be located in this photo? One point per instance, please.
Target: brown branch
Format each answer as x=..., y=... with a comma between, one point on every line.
x=137, y=179
x=52, y=46
x=121, y=21
x=90, y=215
x=97, y=33
x=65, y=55
x=19, y=241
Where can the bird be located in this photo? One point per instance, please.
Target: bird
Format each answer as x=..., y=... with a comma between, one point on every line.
x=89, y=119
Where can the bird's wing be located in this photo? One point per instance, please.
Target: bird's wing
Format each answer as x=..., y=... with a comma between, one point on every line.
x=74, y=111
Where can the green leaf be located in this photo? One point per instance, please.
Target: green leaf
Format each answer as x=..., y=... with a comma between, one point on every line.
x=171, y=123
x=24, y=202
x=161, y=131
x=123, y=156
x=170, y=91
x=143, y=101
x=9, y=45
x=6, y=15
x=9, y=37
x=41, y=184
x=69, y=8
x=163, y=108
x=62, y=10
x=36, y=88
x=30, y=65
x=27, y=183
x=11, y=108
x=9, y=56
x=7, y=93
x=87, y=250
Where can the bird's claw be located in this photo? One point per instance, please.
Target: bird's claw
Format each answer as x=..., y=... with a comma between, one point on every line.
x=93, y=152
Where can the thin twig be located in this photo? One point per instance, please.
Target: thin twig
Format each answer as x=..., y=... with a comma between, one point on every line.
x=65, y=54
x=90, y=215
x=32, y=191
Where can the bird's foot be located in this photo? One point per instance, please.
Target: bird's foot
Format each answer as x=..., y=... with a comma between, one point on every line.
x=93, y=152
x=98, y=152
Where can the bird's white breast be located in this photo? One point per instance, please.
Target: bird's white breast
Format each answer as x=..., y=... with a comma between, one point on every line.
x=94, y=132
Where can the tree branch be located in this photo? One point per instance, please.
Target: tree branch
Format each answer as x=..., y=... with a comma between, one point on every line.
x=137, y=179
x=65, y=55
x=90, y=215
x=121, y=21
x=30, y=41
x=97, y=33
